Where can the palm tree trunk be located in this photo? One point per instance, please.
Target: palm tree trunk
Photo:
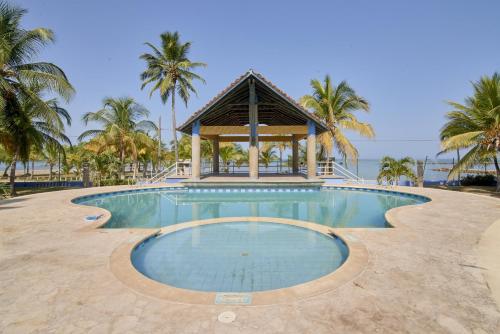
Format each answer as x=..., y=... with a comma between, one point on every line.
x=32, y=169
x=136, y=165
x=497, y=168
x=174, y=126
x=51, y=166
x=281, y=160
x=13, y=173
x=122, y=163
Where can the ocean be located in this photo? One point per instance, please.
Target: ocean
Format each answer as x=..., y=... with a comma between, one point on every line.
x=365, y=168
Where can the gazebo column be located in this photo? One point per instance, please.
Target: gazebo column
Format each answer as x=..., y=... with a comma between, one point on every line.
x=215, y=161
x=295, y=155
x=195, y=151
x=311, y=150
x=253, y=147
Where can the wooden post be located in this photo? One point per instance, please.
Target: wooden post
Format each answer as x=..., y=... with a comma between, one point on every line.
x=311, y=150
x=295, y=155
x=195, y=151
x=215, y=162
x=253, y=147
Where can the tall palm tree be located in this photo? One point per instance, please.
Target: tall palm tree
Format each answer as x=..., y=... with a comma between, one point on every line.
x=170, y=72
x=22, y=85
x=123, y=128
x=19, y=77
x=336, y=105
x=475, y=125
x=391, y=170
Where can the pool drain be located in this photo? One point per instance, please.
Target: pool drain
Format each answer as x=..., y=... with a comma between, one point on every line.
x=226, y=317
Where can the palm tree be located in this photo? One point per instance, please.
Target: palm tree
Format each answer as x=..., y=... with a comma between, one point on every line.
x=267, y=155
x=22, y=85
x=391, y=170
x=282, y=146
x=30, y=128
x=123, y=128
x=475, y=125
x=335, y=105
x=241, y=156
x=51, y=154
x=18, y=77
x=5, y=159
x=171, y=72
x=183, y=147
x=227, y=152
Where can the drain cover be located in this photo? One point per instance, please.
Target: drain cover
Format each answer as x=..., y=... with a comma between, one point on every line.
x=227, y=317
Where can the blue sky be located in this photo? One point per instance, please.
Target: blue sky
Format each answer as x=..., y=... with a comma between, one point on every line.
x=406, y=57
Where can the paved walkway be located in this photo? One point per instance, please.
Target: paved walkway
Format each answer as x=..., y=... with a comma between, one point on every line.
x=422, y=277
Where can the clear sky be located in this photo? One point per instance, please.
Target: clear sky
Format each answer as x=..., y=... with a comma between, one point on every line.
x=406, y=57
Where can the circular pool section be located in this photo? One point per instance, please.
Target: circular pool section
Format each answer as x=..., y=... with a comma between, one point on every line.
x=239, y=256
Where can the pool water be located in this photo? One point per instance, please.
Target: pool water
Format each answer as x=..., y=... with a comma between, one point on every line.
x=335, y=207
x=239, y=257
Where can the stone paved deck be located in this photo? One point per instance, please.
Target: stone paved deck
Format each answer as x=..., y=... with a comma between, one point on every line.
x=422, y=277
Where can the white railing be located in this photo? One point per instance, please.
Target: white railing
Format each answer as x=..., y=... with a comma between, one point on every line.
x=184, y=169
x=231, y=167
x=331, y=168
x=181, y=169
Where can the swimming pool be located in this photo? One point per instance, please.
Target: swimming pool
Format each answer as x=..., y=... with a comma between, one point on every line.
x=239, y=256
x=330, y=206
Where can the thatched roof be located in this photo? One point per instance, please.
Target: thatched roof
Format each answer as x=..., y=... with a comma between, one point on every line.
x=230, y=107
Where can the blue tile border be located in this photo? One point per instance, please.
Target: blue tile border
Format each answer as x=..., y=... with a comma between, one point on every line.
x=272, y=189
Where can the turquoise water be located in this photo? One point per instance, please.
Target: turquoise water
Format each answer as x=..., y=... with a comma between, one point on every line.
x=332, y=207
x=239, y=257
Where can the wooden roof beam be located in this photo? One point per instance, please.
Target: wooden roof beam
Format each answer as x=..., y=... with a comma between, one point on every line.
x=261, y=130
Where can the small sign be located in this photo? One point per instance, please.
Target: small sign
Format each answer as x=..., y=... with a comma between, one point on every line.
x=228, y=298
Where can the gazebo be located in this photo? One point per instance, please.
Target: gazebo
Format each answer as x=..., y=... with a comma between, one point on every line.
x=253, y=110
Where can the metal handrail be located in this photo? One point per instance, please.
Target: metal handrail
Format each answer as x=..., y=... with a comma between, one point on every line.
x=161, y=174
x=333, y=168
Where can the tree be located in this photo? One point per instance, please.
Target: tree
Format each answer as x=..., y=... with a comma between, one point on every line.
x=282, y=146
x=267, y=155
x=391, y=170
x=5, y=159
x=22, y=85
x=29, y=128
x=123, y=129
x=336, y=105
x=170, y=72
x=51, y=154
x=227, y=153
x=475, y=125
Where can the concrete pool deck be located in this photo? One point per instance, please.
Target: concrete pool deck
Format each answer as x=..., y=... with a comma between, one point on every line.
x=425, y=275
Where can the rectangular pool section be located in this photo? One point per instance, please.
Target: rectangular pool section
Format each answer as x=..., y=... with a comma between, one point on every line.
x=335, y=207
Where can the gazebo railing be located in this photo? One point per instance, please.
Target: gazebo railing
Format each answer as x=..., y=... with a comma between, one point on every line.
x=233, y=167
x=184, y=169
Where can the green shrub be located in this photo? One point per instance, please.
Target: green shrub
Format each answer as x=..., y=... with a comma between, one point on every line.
x=479, y=180
x=113, y=182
